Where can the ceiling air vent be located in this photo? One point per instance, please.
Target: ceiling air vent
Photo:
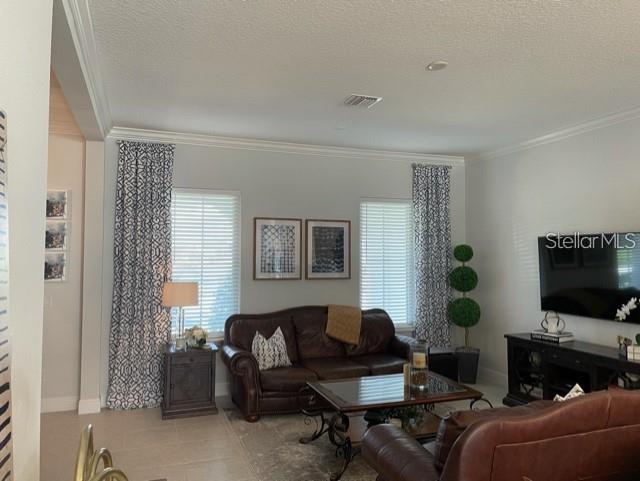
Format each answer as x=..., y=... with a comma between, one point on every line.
x=355, y=100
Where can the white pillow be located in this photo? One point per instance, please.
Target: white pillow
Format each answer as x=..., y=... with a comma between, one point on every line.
x=272, y=352
x=575, y=392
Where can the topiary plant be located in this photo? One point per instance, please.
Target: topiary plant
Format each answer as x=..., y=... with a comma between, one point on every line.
x=464, y=311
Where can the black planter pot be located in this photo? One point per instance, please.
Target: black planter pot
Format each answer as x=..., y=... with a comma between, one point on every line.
x=468, y=364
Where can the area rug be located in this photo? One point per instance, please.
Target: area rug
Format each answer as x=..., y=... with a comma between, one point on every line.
x=276, y=455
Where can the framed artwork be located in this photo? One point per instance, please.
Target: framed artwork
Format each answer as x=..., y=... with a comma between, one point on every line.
x=328, y=249
x=56, y=235
x=55, y=266
x=57, y=204
x=277, y=252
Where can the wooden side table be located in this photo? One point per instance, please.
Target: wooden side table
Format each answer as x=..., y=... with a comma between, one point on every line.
x=189, y=382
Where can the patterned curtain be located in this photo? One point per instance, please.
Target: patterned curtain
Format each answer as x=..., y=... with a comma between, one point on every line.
x=432, y=239
x=140, y=326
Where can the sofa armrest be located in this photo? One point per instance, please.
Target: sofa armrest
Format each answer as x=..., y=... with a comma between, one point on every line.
x=396, y=455
x=401, y=346
x=240, y=362
x=244, y=367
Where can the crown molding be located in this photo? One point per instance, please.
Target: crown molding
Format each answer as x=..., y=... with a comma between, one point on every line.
x=126, y=133
x=79, y=19
x=578, y=129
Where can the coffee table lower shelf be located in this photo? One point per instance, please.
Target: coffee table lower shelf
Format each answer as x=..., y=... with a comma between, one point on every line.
x=350, y=400
x=345, y=432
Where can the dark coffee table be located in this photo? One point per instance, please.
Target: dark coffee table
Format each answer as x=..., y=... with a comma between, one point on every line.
x=352, y=399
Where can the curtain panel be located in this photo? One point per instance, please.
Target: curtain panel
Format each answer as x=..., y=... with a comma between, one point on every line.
x=432, y=244
x=140, y=326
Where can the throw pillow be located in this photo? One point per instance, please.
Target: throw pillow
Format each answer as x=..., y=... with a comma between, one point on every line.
x=272, y=352
x=344, y=323
x=576, y=391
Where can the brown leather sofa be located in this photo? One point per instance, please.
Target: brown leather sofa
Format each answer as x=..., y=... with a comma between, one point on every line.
x=314, y=356
x=595, y=437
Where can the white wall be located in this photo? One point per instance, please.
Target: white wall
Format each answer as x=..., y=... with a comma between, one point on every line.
x=25, y=43
x=91, y=355
x=586, y=183
x=281, y=185
x=63, y=300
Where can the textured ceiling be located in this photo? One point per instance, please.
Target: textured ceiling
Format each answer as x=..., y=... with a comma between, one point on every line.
x=279, y=70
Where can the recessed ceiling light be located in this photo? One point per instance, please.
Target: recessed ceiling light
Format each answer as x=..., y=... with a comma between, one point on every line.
x=437, y=65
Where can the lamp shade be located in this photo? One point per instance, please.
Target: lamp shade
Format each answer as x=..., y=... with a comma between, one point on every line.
x=178, y=294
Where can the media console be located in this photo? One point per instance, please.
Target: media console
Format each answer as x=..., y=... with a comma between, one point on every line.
x=540, y=370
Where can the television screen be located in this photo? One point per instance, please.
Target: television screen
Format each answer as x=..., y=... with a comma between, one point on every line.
x=590, y=275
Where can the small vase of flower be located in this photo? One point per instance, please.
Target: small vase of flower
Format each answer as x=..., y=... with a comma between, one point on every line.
x=196, y=336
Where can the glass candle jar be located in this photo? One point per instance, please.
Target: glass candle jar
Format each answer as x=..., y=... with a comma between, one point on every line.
x=419, y=365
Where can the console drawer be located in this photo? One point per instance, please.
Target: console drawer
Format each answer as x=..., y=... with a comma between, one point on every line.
x=191, y=358
x=568, y=359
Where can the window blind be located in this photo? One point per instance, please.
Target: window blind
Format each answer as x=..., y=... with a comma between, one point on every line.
x=386, y=258
x=205, y=230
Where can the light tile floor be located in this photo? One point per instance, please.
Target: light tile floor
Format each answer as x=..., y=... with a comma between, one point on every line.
x=147, y=448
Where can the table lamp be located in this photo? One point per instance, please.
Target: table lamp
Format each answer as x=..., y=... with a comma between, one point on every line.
x=180, y=294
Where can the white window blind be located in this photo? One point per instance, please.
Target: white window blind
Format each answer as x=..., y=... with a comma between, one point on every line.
x=386, y=258
x=205, y=230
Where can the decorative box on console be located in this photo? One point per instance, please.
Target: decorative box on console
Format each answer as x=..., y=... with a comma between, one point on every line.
x=633, y=353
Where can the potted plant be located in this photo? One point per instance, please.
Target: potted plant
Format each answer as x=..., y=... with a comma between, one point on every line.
x=465, y=312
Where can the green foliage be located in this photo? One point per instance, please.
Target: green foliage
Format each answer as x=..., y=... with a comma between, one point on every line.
x=463, y=279
x=464, y=312
x=463, y=253
x=637, y=338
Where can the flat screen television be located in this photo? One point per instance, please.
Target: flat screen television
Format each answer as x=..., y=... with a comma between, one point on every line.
x=590, y=275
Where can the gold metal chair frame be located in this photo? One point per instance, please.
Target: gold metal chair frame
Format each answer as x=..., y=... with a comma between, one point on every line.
x=88, y=461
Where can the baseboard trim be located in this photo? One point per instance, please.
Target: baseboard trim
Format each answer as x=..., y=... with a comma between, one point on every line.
x=58, y=404
x=89, y=406
x=492, y=376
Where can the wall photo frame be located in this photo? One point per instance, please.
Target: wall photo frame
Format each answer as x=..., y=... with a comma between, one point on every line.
x=328, y=249
x=56, y=235
x=55, y=266
x=277, y=250
x=58, y=207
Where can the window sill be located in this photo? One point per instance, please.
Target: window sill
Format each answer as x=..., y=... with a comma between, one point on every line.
x=404, y=329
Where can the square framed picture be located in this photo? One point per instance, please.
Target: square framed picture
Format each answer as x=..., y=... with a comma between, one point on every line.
x=56, y=235
x=55, y=266
x=328, y=249
x=277, y=252
x=58, y=204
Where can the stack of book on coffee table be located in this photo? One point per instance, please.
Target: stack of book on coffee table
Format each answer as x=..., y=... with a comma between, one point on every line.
x=557, y=337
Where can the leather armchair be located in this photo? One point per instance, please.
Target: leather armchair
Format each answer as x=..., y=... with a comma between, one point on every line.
x=593, y=437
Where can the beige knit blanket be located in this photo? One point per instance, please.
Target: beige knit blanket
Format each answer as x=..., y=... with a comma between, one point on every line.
x=343, y=323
